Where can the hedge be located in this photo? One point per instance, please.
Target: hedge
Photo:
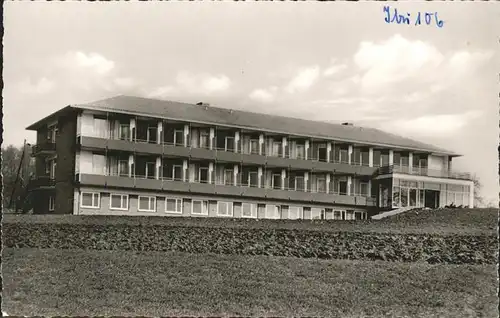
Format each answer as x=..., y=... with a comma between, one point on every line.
x=431, y=248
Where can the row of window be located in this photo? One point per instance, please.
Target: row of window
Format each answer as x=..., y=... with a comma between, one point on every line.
x=176, y=205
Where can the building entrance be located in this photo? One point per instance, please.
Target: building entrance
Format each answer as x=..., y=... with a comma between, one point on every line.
x=431, y=199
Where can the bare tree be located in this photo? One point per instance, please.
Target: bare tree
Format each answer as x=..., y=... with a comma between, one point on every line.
x=13, y=186
x=478, y=199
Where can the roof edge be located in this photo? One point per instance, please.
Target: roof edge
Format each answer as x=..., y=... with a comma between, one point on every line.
x=55, y=114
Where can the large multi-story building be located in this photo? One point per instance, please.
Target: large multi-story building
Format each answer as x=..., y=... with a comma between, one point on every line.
x=136, y=156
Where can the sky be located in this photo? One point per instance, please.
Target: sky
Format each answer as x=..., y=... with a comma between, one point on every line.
x=336, y=62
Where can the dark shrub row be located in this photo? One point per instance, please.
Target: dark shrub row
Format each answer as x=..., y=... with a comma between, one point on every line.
x=451, y=249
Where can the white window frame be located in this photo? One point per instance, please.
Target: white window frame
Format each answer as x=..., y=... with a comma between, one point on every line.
x=204, y=133
x=224, y=177
x=318, y=179
x=300, y=214
x=120, y=130
x=280, y=146
x=173, y=172
x=253, y=210
x=52, y=203
x=277, y=208
x=53, y=167
x=123, y=198
x=341, y=212
x=225, y=142
x=120, y=162
x=94, y=196
x=150, y=198
x=250, y=178
x=204, y=207
x=272, y=179
x=229, y=208
x=176, y=131
x=148, y=134
x=303, y=182
x=199, y=174
x=146, y=170
x=256, y=141
x=178, y=205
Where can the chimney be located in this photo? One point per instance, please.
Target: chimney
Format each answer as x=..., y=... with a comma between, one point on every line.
x=203, y=104
x=346, y=124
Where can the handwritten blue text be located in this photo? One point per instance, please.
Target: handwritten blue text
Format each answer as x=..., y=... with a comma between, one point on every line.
x=393, y=16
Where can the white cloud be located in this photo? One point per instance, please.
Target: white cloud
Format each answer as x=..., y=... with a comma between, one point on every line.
x=42, y=86
x=264, y=95
x=394, y=60
x=89, y=61
x=161, y=92
x=432, y=125
x=125, y=82
x=202, y=83
x=334, y=69
x=305, y=78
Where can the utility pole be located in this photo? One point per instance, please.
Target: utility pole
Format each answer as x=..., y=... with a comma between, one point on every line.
x=17, y=176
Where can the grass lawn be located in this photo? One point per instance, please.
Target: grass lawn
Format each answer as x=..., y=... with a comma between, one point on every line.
x=445, y=221
x=79, y=282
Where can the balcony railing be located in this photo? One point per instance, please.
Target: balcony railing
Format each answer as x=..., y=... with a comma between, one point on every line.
x=43, y=147
x=41, y=182
x=419, y=171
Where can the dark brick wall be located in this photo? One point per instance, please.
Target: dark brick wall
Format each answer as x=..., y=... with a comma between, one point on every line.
x=65, y=171
x=41, y=201
x=41, y=136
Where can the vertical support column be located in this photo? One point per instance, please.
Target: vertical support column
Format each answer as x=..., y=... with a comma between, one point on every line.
x=211, y=138
x=259, y=176
x=283, y=147
x=130, y=165
x=306, y=180
x=370, y=188
x=471, y=195
x=391, y=157
x=159, y=132
x=349, y=182
x=184, y=170
x=283, y=176
x=327, y=180
x=410, y=162
x=235, y=175
x=158, y=167
x=370, y=157
x=210, y=172
x=306, y=149
x=132, y=129
x=236, y=141
x=186, y=134
x=349, y=154
x=261, y=142
x=328, y=151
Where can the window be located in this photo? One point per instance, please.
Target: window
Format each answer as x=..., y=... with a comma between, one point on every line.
x=358, y=215
x=276, y=181
x=228, y=177
x=173, y=205
x=294, y=212
x=229, y=144
x=53, y=167
x=204, y=140
x=123, y=168
x=152, y=134
x=276, y=149
x=249, y=210
x=177, y=172
x=272, y=211
x=101, y=128
x=147, y=204
x=315, y=213
x=350, y=215
x=124, y=132
x=301, y=152
x=328, y=214
x=363, y=188
x=224, y=208
x=178, y=137
x=99, y=164
x=254, y=146
x=150, y=170
x=52, y=203
x=203, y=175
x=321, y=185
x=337, y=215
x=199, y=207
x=253, y=179
x=90, y=200
x=118, y=202
x=299, y=183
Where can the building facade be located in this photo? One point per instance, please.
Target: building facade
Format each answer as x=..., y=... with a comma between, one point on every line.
x=135, y=156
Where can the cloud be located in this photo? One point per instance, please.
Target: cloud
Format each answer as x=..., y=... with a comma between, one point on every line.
x=432, y=125
x=202, y=83
x=334, y=69
x=264, y=95
x=42, y=86
x=161, y=92
x=304, y=79
x=93, y=62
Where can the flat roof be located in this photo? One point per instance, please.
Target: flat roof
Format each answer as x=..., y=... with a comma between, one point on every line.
x=148, y=107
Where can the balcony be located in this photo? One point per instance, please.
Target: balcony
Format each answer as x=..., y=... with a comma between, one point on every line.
x=417, y=171
x=41, y=182
x=238, y=190
x=43, y=148
x=221, y=154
